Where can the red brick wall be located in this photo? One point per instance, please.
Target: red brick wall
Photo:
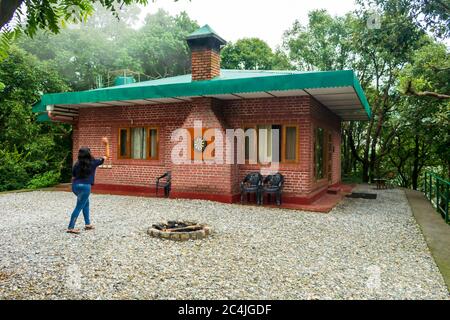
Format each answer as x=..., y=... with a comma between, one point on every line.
x=219, y=179
x=291, y=110
x=204, y=178
x=97, y=122
x=205, y=64
x=324, y=118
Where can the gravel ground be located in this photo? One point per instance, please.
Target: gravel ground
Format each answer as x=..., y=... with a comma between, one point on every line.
x=363, y=249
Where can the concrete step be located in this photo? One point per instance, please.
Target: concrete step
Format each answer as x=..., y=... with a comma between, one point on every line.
x=334, y=190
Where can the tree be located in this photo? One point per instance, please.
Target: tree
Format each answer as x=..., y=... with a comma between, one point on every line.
x=253, y=54
x=50, y=15
x=39, y=154
x=381, y=53
x=428, y=72
x=324, y=44
x=376, y=54
x=430, y=15
x=88, y=53
x=160, y=45
x=31, y=154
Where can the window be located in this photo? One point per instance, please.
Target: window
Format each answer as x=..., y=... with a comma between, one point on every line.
x=319, y=151
x=289, y=144
x=138, y=143
x=124, y=144
x=250, y=144
x=265, y=136
x=153, y=143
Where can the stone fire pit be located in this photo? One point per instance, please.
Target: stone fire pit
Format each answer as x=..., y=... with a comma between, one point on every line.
x=179, y=230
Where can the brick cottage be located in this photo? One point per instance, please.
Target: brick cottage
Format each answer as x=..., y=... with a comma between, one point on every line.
x=139, y=118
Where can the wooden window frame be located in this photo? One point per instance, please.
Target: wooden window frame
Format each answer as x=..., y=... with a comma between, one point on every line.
x=283, y=141
x=255, y=142
x=148, y=143
x=128, y=143
x=128, y=147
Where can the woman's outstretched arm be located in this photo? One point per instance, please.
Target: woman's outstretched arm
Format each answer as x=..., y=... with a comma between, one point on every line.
x=106, y=143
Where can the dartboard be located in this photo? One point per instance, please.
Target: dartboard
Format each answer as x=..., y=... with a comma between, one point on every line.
x=199, y=144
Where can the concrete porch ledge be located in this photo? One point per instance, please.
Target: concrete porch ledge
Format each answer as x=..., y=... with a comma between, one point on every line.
x=434, y=229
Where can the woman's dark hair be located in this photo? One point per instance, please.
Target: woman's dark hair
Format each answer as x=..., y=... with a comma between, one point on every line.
x=84, y=162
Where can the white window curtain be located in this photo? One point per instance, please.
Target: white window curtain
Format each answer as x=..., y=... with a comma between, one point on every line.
x=138, y=143
x=291, y=143
x=153, y=143
x=265, y=143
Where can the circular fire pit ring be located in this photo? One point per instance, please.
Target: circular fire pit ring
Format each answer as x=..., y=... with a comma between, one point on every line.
x=179, y=230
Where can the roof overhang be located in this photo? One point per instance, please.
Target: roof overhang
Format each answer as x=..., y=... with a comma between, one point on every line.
x=339, y=91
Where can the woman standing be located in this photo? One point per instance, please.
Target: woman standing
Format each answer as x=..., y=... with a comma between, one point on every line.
x=83, y=176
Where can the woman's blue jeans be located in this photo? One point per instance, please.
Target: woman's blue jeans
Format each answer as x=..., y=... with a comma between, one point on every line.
x=82, y=191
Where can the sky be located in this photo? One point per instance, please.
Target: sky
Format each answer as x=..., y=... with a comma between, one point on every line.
x=264, y=19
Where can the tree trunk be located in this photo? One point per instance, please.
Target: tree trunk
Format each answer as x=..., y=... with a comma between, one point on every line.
x=346, y=152
x=365, y=171
x=415, y=171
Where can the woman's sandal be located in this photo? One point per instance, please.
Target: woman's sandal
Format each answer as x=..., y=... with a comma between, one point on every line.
x=89, y=227
x=74, y=231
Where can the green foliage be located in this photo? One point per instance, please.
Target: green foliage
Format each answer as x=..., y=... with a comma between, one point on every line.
x=13, y=174
x=28, y=148
x=427, y=116
x=430, y=15
x=406, y=133
x=428, y=70
x=50, y=16
x=35, y=155
x=103, y=44
x=160, y=45
x=253, y=54
x=43, y=180
x=354, y=177
x=324, y=44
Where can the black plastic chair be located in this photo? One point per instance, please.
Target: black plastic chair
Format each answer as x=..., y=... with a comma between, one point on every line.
x=273, y=184
x=252, y=184
x=164, y=184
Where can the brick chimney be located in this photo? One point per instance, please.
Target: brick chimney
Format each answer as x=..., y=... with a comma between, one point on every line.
x=205, y=47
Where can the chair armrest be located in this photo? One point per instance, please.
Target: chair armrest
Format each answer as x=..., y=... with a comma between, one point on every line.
x=161, y=177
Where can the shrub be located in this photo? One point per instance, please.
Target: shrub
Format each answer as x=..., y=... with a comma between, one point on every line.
x=43, y=180
x=13, y=173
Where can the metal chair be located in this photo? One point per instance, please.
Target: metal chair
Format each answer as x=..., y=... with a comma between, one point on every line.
x=273, y=184
x=167, y=184
x=252, y=184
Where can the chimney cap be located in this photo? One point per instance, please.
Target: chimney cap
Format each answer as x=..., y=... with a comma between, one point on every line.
x=205, y=35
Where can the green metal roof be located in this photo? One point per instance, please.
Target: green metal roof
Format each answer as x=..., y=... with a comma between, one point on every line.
x=206, y=30
x=323, y=85
x=203, y=32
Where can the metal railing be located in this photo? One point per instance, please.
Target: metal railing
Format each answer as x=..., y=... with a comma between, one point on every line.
x=436, y=190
